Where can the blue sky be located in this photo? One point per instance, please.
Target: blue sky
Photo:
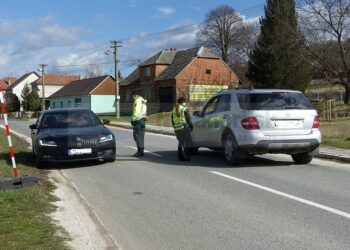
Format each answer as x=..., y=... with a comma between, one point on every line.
x=76, y=32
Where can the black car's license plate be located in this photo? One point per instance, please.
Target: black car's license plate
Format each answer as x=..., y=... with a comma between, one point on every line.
x=79, y=151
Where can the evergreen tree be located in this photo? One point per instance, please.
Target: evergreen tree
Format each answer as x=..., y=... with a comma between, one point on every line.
x=276, y=60
x=24, y=95
x=33, y=100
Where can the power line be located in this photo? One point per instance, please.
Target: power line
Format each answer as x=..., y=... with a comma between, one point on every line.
x=171, y=30
x=90, y=64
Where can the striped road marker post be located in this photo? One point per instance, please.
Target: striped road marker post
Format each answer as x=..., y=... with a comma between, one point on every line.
x=3, y=109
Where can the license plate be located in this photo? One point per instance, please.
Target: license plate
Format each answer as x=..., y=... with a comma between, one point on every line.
x=288, y=124
x=80, y=151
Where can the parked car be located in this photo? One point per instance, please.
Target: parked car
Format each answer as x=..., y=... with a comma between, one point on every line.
x=69, y=135
x=244, y=122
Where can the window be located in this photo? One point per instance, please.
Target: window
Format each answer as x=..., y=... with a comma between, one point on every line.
x=69, y=104
x=147, y=93
x=128, y=96
x=208, y=71
x=147, y=72
x=61, y=104
x=224, y=103
x=77, y=102
x=54, y=105
x=273, y=101
x=210, y=107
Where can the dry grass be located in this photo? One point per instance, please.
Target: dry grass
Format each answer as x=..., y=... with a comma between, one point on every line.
x=336, y=133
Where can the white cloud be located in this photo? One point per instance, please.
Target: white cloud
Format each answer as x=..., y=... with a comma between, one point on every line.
x=180, y=36
x=27, y=43
x=166, y=10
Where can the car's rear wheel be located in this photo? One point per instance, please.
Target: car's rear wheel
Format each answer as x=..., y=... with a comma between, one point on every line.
x=230, y=151
x=303, y=158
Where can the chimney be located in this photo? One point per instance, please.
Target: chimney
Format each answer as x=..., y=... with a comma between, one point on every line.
x=172, y=49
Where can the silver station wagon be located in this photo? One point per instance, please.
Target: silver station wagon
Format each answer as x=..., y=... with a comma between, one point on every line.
x=244, y=122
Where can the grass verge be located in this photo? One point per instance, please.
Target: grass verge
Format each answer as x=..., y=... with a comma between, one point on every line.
x=24, y=213
x=336, y=133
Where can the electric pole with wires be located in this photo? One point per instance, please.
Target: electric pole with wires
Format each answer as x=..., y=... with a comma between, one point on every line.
x=42, y=70
x=115, y=45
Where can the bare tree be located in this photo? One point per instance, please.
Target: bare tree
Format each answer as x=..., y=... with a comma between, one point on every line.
x=326, y=27
x=225, y=31
x=94, y=71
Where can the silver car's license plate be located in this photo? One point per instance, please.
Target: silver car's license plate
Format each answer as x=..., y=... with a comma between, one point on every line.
x=288, y=124
x=80, y=151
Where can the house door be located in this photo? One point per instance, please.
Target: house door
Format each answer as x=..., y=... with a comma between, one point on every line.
x=166, y=97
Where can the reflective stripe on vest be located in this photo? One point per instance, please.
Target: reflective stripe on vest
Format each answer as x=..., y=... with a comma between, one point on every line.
x=179, y=120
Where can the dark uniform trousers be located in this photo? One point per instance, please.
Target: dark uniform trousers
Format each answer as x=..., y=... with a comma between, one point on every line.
x=139, y=127
x=185, y=142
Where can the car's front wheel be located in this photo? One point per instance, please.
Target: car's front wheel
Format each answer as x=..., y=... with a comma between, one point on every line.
x=230, y=151
x=303, y=158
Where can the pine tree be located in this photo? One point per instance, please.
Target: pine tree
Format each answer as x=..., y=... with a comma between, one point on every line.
x=276, y=60
x=24, y=95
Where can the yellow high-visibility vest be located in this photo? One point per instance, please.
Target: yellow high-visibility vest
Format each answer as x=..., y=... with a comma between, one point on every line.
x=139, y=110
x=179, y=119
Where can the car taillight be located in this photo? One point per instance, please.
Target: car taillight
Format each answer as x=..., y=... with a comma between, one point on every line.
x=316, y=123
x=250, y=123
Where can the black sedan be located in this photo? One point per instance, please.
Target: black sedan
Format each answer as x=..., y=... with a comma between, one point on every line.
x=69, y=135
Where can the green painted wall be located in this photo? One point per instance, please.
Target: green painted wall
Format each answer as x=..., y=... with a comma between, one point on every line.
x=103, y=103
x=97, y=103
x=70, y=102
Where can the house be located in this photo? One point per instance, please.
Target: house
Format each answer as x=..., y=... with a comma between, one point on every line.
x=3, y=84
x=53, y=83
x=17, y=87
x=8, y=80
x=97, y=94
x=195, y=74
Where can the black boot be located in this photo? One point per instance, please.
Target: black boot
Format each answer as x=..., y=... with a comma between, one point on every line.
x=139, y=152
x=187, y=154
x=142, y=152
x=180, y=155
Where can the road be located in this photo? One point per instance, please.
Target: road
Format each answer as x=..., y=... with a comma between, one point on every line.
x=268, y=203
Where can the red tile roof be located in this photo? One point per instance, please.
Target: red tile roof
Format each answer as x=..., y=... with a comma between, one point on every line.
x=57, y=79
x=9, y=79
x=80, y=87
x=3, y=84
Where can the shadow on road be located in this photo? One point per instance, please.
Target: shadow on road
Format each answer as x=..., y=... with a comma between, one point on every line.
x=211, y=159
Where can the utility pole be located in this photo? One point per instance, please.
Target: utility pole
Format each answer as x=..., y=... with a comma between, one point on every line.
x=115, y=45
x=42, y=69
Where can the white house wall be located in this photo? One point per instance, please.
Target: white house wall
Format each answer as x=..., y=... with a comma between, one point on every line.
x=49, y=89
x=28, y=80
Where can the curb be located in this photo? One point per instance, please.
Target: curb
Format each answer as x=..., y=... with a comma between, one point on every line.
x=155, y=130
x=333, y=157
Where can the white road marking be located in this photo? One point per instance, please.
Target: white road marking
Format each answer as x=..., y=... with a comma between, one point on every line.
x=148, y=152
x=292, y=197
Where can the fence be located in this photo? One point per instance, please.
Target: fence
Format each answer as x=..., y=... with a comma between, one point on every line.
x=331, y=95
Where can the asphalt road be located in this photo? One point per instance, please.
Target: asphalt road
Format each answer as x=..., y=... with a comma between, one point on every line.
x=268, y=203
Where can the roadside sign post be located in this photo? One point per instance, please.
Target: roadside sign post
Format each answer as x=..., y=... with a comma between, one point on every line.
x=4, y=114
x=17, y=182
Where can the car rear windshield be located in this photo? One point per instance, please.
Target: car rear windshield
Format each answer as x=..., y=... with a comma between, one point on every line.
x=69, y=119
x=273, y=101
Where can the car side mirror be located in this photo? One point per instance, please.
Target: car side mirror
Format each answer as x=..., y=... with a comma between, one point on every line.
x=106, y=121
x=33, y=126
x=197, y=113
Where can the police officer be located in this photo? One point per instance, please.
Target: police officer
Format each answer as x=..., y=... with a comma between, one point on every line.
x=138, y=121
x=182, y=125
